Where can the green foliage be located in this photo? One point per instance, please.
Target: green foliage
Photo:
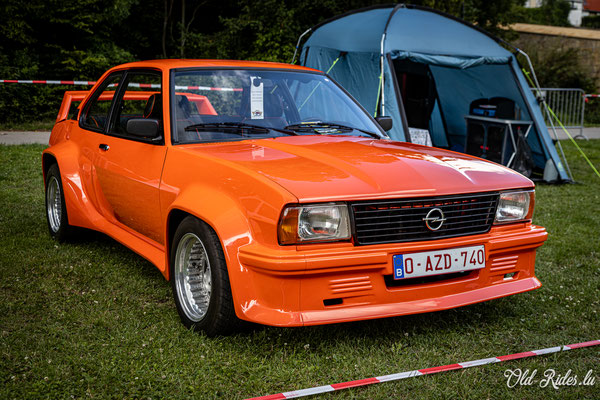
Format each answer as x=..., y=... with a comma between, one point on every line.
x=592, y=112
x=561, y=68
x=80, y=39
x=491, y=15
x=591, y=21
x=552, y=12
x=253, y=34
x=57, y=39
x=25, y=103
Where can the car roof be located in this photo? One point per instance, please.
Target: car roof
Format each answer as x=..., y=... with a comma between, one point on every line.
x=166, y=64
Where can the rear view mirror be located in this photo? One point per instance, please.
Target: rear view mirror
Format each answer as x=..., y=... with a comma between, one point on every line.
x=147, y=128
x=385, y=122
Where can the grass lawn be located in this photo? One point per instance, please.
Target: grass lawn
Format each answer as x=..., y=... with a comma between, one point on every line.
x=92, y=319
x=45, y=126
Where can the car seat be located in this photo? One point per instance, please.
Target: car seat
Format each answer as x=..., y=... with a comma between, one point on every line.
x=153, y=107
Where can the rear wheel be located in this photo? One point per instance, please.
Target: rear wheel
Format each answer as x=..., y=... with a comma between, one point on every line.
x=200, y=281
x=56, y=209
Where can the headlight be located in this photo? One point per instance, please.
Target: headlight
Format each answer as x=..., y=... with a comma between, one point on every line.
x=314, y=223
x=515, y=206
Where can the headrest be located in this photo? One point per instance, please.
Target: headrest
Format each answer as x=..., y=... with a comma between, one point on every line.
x=184, y=107
x=153, y=107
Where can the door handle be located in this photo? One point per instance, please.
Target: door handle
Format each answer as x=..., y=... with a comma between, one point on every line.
x=104, y=147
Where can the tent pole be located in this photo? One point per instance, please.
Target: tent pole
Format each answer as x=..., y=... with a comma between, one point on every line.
x=537, y=84
x=298, y=44
x=382, y=87
x=543, y=98
x=382, y=57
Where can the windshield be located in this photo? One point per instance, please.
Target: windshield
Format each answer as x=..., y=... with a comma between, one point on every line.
x=225, y=105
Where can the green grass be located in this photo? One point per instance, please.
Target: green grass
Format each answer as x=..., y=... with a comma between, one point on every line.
x=92, y=319
x=44, y=126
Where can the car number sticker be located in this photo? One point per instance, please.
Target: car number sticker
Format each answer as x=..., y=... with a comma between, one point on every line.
x=438, y=262
x=257, y=110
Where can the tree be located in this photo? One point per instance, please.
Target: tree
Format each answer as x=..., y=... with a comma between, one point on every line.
x=552, y=12
x=80, y=39
x=55, y=39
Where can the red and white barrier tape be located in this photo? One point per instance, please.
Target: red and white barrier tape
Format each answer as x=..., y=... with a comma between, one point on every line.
x=419, y=372
x=217, y=89
x=591, y=95
x=131, y=84
x=46, y=82
x=178, y=87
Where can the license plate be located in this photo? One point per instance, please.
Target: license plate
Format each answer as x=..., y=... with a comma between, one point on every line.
x=438, y=262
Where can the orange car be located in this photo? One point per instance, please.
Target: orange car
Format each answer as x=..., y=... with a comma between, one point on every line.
x=265, y=193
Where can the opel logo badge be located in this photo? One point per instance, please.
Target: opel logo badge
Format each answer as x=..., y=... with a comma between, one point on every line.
x=434, y=219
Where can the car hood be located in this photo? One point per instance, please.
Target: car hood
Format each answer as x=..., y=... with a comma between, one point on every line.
x=326, y=168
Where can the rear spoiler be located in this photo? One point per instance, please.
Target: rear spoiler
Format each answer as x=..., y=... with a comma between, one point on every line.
x=69, y=97
x=80, y=95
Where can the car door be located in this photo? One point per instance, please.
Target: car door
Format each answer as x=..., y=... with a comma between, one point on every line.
x=90, y=133
x=127, y=168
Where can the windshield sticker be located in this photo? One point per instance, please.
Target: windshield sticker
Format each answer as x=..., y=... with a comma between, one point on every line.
x=256, y=98
x=327, y=131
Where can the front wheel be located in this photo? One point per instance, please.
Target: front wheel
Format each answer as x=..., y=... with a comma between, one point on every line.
x=56, y=209
x=200, y=281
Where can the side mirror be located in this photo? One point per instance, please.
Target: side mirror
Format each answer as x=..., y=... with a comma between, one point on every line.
x=385, y=122
x=147, y=128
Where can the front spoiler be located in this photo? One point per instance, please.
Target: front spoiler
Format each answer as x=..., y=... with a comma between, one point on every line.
x=340, y=283
x=373, y=311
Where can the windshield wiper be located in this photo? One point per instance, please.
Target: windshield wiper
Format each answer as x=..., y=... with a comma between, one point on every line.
x=325, y=128
x=238, y=128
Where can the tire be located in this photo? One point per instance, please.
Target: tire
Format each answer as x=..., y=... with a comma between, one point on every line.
x=56, y=208
x=197, y=256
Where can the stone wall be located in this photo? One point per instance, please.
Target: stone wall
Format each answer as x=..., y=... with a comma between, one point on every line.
x=585, y=40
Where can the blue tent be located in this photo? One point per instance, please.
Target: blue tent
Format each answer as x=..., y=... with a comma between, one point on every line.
x=426, y=69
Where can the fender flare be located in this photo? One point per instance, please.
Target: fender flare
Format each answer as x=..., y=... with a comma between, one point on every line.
x=80, y=210
x=226, y=218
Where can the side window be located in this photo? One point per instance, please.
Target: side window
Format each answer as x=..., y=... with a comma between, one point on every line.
x=142, y=99
x=96, y=114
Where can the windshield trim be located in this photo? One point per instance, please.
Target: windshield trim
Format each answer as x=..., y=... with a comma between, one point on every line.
x=302, y=71
x=173, y=71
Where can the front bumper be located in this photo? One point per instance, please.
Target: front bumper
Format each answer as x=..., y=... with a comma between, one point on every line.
x=330, y=283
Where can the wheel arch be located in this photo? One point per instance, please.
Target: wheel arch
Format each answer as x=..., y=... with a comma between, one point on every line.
x=223, y=226
x=174, y=218
x=65, y=155
x=48, y=160
x=226, y=218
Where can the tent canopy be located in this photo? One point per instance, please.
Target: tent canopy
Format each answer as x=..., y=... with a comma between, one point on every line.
x=425, y=69
x=409, y=29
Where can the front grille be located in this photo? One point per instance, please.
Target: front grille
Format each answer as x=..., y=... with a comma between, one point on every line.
x=402, y=220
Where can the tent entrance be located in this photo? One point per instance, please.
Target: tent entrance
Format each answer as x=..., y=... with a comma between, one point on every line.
x=450, y=102
x=418, y=91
